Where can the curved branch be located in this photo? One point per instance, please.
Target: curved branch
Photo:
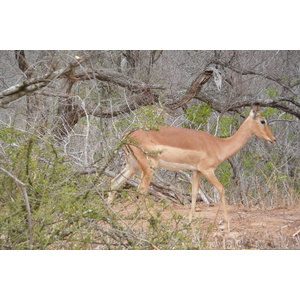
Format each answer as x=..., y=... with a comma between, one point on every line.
x=193, y=90
x=29, y=86
x=285, y=104
x=22, y=186
x=117, y=78
x=258, y=73
x=197, y=85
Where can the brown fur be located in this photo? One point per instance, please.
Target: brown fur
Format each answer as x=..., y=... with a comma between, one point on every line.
x=176, y=148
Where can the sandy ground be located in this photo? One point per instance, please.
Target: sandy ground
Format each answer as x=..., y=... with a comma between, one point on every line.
x=250, y=228
x=253, y=228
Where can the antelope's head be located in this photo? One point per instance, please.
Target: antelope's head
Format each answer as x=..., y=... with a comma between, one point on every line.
x=260, y=127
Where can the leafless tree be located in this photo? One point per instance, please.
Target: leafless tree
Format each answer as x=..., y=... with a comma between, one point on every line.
x=60, y=89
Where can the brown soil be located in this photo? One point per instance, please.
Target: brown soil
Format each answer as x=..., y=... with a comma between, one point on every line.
x=253, y=228
x=250, y=228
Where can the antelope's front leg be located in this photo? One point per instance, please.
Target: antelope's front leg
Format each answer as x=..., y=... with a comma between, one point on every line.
x=195, y=191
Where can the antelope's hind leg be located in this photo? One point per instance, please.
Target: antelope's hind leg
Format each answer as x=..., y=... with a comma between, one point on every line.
x=131, y=168
x=148, y=166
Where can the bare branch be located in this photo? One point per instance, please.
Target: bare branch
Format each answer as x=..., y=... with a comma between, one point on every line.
x=29, y=86
x=27, y=204
x=258, y=73
x=286, y=104
x=193, y=90
x=155, y=189
x=119, y=79
x=197, y=85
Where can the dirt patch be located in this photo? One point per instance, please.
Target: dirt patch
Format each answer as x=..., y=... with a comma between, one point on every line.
x=166, y=225
x=249, y=228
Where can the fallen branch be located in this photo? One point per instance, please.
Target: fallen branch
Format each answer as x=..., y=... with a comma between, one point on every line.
x=157, y=190
x=267, y=215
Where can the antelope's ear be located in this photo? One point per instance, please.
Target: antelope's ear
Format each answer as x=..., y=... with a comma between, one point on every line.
x=254, y=110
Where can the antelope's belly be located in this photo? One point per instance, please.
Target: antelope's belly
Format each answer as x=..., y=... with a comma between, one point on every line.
x=176, y=159
x=175, y=166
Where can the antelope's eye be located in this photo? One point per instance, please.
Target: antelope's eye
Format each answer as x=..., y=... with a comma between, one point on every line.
x=263, y=122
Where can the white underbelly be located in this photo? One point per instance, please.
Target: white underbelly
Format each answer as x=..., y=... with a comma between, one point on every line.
x=173, y=166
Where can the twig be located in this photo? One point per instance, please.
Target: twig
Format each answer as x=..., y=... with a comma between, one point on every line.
x=155, y=189
x=267, y=215
x=32, y=85
x=27, y=204
x=296, y=233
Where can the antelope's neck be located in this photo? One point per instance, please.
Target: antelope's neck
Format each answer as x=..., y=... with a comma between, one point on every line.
x=235, y=143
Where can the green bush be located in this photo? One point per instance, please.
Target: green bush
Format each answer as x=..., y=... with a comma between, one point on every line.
x=69, y=211
x=198, y=115
x=53, y=189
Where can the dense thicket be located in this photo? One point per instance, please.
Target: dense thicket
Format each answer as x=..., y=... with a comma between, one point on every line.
x=62, y=116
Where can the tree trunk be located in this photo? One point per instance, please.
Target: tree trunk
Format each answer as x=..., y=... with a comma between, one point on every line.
x=32, y=101
x=69, y=113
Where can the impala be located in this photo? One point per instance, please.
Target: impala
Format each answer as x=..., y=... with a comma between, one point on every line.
x=175, y=148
